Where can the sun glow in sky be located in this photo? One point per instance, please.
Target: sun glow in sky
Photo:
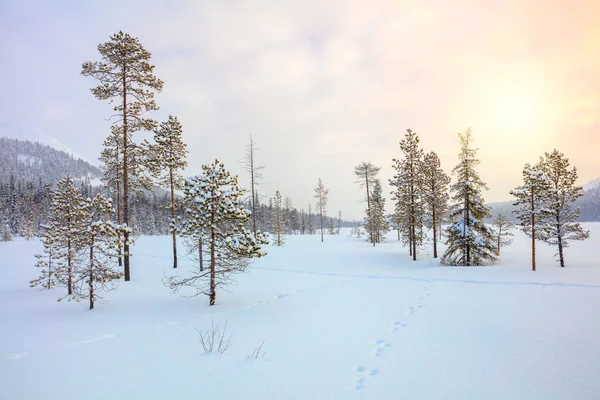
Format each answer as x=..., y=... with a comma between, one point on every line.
x=322, y=86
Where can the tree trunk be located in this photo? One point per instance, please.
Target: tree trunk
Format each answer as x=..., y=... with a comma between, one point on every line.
x=173, y=216
x=125, y=180
x=532, y=231
x=69, y=269
x=414, y=235
x=560, y=248
x=50, y=268
x=434, y=233
x=252, y=185
x=499, y=238
x=369, y=208
x=321, y=216
x=467, y=261
x=91, y=284
x=200, y=260
x=120, y=249
x=213, y=286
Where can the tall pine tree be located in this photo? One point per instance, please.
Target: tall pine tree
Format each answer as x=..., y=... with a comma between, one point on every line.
x=435, y=194
x=470, y=241
x=126, y=75
x=366, y=174
x=168, y=155
x=529, y=203
x=278, y=224
x=408, y=195
x=560, y=227
x=376, y=222
x=321, y=196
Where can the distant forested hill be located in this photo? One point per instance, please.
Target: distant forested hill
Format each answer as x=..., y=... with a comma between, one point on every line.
x=31, y=162
x=589, y=203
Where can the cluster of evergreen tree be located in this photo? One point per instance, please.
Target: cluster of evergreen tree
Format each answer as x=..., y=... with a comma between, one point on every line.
x=295, y=221
x=420, y=195
x=80, y=245
x=545, y=204
x=375, y=223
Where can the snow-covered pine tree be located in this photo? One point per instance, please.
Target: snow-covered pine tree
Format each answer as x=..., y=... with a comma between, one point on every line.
x=339, y=222
x=125, y=74
x=28, y=225
x=278, y=224
x=376, y=221
x=435, y=195
x=321, y=196
x=168, y=159
x=95, y=270
x=470, y=241
x=366, y=174
x=408, y=195
x=68, y=222
x=530, y=204
x=560, y=227
x=47, y=262
x=502, y=226
x=214, y=207
x=7, y=235
x=331, y=226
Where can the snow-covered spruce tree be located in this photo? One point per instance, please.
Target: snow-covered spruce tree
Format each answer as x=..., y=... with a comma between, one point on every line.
x=339, y=222
x=68, y=222
x=376, y=222
x=408, y=195
x=530, y=204
x=168, y=159
x=95, y=270
x=470, y=241
x=435, y=195
x=321, y=196
x=560, y=227
x=502, y=226
x=278, y=223
x=126, y=75
x=366, y=174
x=47, y=262
x=7, y=235
x=214, y=207
x=331, y=226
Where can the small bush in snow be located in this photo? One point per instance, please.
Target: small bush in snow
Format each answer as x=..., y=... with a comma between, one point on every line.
x=258, y=352
x=214, y=339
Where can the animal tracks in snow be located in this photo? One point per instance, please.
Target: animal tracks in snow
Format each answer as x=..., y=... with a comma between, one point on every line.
x=396, y=326
x=105, y=337
x=279, y=296
x=381, y=344
x=364, y=372
x=170, y=323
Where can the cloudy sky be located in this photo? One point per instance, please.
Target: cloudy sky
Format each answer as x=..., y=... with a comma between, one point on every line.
x=322, y=85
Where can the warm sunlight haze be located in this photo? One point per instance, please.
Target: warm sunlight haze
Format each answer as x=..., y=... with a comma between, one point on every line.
x=300, y=199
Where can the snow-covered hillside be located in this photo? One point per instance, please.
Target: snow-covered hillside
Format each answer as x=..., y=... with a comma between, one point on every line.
x=339, y=320
x=592, y=185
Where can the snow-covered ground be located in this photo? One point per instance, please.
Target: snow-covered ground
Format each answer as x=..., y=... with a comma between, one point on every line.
x=339, y=320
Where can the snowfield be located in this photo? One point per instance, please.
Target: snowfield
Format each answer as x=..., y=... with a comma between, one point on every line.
x=339, y=320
